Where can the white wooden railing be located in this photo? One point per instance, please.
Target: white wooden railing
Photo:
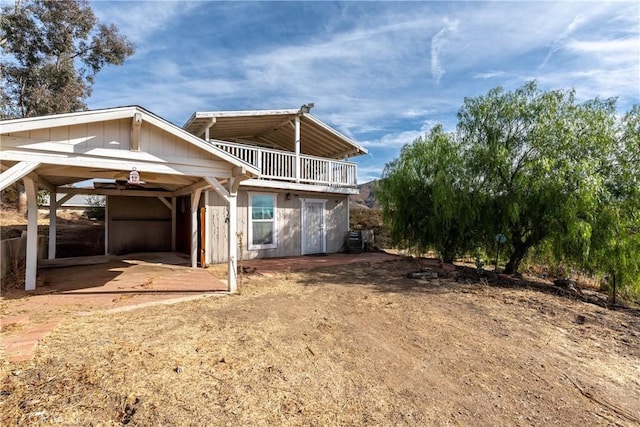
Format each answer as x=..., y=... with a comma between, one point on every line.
x=283, y=165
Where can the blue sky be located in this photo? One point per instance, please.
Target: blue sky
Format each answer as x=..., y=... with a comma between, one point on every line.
x=382, y=73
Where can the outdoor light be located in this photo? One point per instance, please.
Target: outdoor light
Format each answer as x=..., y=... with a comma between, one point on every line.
x=306, y=107
x=288, y=196
x=134, y=177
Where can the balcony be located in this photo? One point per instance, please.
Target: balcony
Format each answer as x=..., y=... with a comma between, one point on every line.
x=285, y=166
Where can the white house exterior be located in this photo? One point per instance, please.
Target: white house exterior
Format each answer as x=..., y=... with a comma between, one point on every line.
x=245, y=184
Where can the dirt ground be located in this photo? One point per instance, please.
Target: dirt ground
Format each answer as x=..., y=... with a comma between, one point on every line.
x=76, y=235
x=355, y=345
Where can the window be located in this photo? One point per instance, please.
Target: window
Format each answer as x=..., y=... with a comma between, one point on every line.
x=263, y=232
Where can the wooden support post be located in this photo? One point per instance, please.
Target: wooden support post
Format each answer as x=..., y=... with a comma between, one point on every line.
x=173, y=223
x=106, y=225
x=195, y=200
x=207, y=236
x=32, y=234
x=53, y=216
x=233, y=241
x=136, y=125
x=297, y=148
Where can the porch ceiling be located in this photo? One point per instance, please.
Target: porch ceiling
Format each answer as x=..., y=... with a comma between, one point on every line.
x=274, y=129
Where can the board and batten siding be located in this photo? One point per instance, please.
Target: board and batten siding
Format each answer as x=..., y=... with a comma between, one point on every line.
x=88, y=138
x=289, y=221
x=138, y=224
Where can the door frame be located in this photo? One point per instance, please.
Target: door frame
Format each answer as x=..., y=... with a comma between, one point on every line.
x=323, y=237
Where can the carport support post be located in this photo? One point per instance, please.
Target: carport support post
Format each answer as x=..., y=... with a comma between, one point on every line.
x=297, y=147
x=233, y=241
x=53, y=216
x=195, y=201
x=173, y=222
x=32, y=235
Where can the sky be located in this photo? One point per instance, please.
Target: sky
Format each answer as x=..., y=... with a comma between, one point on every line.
x=382, y=73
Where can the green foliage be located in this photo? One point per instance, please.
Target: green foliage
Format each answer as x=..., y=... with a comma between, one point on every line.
x=52, y=51
x=424, y=198
x=537, y=155
x=96, y=208
x=539, y=167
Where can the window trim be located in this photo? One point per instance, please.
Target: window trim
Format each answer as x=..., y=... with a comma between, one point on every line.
x=250, y=222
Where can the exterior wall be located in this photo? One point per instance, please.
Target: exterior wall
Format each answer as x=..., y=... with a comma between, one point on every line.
x=110, y=135
x=289, y=221
x=138, y=224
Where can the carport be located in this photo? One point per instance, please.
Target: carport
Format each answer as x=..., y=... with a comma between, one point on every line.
x=131, y=150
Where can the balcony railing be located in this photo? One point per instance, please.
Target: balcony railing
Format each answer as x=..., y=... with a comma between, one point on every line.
x=284, y=165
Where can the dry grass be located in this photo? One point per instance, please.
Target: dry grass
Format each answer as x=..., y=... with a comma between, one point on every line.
x=356, y=345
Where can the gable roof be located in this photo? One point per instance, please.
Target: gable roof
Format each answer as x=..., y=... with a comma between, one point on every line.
x=274, y=129
x=63, y=164
x=92, y=116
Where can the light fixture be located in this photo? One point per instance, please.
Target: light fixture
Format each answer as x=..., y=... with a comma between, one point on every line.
x=306, y=107
x=134, y=177
x=287, y=196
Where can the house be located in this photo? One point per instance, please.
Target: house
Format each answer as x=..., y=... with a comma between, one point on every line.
x=229, y=184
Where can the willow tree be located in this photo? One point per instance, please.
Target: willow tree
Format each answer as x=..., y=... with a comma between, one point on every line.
x=540, y=158
x=614, y=248
x=424, y=198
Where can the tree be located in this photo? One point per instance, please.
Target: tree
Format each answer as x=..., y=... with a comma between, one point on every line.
x=52, y=51
x=615, y=240
x=540, y=158
x=424, y=197
x=538, y=167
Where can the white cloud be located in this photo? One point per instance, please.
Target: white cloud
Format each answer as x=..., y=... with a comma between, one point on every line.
x=438, y=42
x=375, y=72
x=557, y=43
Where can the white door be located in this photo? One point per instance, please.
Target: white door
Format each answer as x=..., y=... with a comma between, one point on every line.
x=313, y=226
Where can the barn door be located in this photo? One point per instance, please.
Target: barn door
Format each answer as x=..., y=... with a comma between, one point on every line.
x=314, y=236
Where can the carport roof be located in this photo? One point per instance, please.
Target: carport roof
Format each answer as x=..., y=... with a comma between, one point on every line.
x=69, y=169
x=275, y=129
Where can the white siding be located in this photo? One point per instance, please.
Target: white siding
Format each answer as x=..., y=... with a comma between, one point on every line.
x=289, y=224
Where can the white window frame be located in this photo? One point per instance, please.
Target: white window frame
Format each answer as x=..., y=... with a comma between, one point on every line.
x=250, y=222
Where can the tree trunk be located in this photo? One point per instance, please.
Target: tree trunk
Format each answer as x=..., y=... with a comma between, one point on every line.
x=516, y=257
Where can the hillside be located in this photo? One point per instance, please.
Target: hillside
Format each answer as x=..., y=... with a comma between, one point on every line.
x=365, y=199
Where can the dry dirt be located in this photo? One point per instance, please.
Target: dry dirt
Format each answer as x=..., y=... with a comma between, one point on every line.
x=355, y=345
x=76, y=235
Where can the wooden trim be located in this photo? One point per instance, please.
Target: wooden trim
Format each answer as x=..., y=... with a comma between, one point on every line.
x=261, y=183
x=16, y=172
x=136, y=126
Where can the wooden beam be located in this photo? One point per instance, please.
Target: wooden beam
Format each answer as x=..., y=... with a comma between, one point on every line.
x=106, y=226
x=219, y=188
x=136, y=125
x=200, y=185
x=105, y=192
x=274, y=128
x=204, y=129
x=232, y=266
x=32, y=235
x=195, y=201
x=64, y=199
x=174, y=214
x=16, y=172
x=297, y=147
x=53, y=216
x=121, y=160
x=165, y=202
